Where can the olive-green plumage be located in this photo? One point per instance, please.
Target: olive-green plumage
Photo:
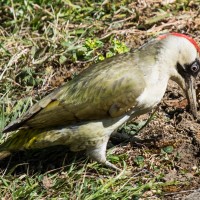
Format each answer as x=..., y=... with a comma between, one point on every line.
x=107, y=89
x=83, y=113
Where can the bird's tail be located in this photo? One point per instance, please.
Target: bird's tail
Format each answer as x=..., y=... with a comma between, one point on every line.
x=20, y=140
x=34, y=139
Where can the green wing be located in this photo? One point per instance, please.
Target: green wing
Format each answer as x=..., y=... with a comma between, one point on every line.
x=104, y=90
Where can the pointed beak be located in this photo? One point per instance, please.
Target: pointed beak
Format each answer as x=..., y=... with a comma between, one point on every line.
x=191, y=95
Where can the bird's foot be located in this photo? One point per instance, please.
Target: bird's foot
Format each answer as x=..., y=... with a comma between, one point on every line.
x=98, y=154
x=112, y=166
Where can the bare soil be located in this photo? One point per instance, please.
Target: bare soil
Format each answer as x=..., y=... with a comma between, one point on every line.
x=172, y=127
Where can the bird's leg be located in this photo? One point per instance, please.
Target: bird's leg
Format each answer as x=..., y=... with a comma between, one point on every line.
x=98, y=154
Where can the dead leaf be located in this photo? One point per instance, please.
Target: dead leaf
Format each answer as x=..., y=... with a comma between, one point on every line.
x=47, y=182
x=176, y=103
x=171, y=176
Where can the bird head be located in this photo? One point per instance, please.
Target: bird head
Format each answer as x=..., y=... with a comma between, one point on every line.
x=185, y=64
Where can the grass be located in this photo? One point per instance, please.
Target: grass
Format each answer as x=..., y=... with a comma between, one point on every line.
x=79, y=180
x=42, y=45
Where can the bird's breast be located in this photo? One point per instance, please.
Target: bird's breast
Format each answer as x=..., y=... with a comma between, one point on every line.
x=151, y=95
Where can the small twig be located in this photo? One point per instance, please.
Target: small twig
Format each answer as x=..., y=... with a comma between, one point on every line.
x=122, y=20
x=121, y=32
x=148, y=120
x=6, y=167
x=88, y=61
x=13, y=11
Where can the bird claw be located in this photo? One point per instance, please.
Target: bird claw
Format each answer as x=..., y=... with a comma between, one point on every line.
x=112, y=166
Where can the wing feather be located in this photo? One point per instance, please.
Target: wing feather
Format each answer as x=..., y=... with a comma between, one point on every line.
x=106, y=89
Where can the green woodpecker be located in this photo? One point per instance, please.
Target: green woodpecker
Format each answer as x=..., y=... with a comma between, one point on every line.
x=83, y=113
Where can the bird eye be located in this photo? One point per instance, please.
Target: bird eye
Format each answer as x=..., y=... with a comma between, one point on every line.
x=195, y=67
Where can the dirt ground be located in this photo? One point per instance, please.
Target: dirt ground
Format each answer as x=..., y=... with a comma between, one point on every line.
x=172, y=127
